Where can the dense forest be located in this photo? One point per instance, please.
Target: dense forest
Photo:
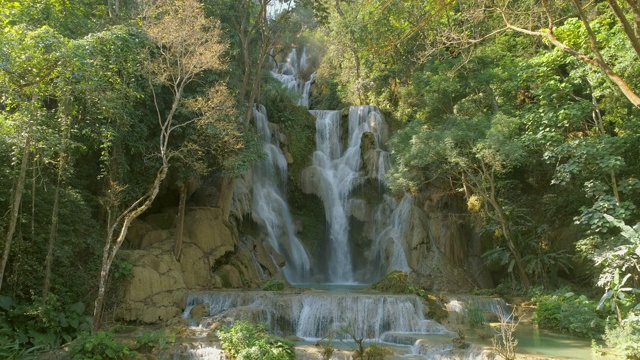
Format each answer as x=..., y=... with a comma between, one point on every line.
x=526, y=110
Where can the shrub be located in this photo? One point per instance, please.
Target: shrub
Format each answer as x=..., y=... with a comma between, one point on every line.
x=246, y=341
x=567, y=312
x=625, y=337
x=396, y=282
x=273, y=285
x=150, y=340
x=475, y=315
x=100, y=346
x=38, y=325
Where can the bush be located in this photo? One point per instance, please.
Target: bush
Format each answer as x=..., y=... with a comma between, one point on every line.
x=475, y=315
x=152, y=340
x=396, y=282
x=273, y=285
x=100, y=346
x=246, y=341
x=625, y=338
x=567, y=312
x=38, y=325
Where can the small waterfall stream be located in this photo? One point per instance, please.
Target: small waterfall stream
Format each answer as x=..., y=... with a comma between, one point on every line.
x=270, y=207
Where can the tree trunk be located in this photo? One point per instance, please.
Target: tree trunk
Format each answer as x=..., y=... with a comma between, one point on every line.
x=226, y=195
x=626, y=26
x=177, y=245
x=113, y=245
x=15, y=205
x=52, y=233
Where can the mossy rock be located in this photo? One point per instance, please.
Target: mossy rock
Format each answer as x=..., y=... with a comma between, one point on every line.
x=396, y=282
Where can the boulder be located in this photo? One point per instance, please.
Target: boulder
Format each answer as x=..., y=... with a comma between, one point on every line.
x=195, y=267
x=156, y=289
x=310, y=180
x=153, y=237
x=206, y=229
x=229, y=276
x=137, y=230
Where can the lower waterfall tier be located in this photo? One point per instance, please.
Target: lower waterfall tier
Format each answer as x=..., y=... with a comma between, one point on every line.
x=320, y=315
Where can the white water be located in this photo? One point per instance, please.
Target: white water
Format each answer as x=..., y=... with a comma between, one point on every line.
x=269, y=205
x=391, y=253
x=314, y=316
x=340, y=172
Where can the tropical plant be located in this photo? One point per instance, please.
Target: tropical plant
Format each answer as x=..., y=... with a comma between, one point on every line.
x=102, y=345
x=246, y=341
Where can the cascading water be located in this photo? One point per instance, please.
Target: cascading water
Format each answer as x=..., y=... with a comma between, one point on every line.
x=339, y=171
x=313, y=316
x=270, y=208
x=342, y=165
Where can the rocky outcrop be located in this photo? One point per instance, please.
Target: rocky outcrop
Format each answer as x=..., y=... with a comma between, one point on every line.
x=212, y=257
x=455, y=236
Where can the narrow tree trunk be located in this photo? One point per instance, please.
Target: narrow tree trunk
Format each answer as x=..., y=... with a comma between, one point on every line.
x=626, y=26
x=52, y=233
x=15, y=205
x=177, y=245
x=113, y=245
x=226, y=195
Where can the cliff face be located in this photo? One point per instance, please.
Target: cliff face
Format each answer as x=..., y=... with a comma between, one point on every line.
x=213, y=257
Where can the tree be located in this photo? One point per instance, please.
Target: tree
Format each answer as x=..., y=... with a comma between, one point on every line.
x=187, y=44
x=27, y=76
x=530, y=18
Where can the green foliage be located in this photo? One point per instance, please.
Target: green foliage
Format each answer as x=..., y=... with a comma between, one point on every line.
x=274, y=285
x=296, y=122
x=625, y=337
x=246, y=341
x=396, y=282
x=568, y=312
x=148, y=341
x=376, y=352
x=475, y=316
x=100, y=346
x=34, y=325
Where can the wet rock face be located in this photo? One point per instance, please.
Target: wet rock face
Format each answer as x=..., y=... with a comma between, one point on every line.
x=211, y=258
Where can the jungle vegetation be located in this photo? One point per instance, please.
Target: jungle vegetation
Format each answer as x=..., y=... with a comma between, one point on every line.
x=528, y=110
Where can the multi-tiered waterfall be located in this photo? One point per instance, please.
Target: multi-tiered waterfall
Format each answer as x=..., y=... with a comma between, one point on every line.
x=350, y=159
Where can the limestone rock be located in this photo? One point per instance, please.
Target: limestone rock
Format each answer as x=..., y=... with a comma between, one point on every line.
x=310, y=180
x=241, y=203
x=137, y=230
x=289, y=157
x=263, y=258
x=164, y=220
x=195, y=267
x=199, y=311
x=359, y=209
x=153, y=237
x=229, y=276
x=206, y=229
x=243, y=262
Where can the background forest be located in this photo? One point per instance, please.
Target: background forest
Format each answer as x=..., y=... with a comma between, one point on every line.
x=528, y=110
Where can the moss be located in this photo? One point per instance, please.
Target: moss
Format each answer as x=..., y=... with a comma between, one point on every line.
x=396, y=282
x=296, y=122
x=436, y=309
x=309, y=211
x=370, y=191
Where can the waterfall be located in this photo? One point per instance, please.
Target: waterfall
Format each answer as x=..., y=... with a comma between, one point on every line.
x=389, y=242
x=269, y=205
x=341, y=171
x=314, y=316
x=338, y=171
